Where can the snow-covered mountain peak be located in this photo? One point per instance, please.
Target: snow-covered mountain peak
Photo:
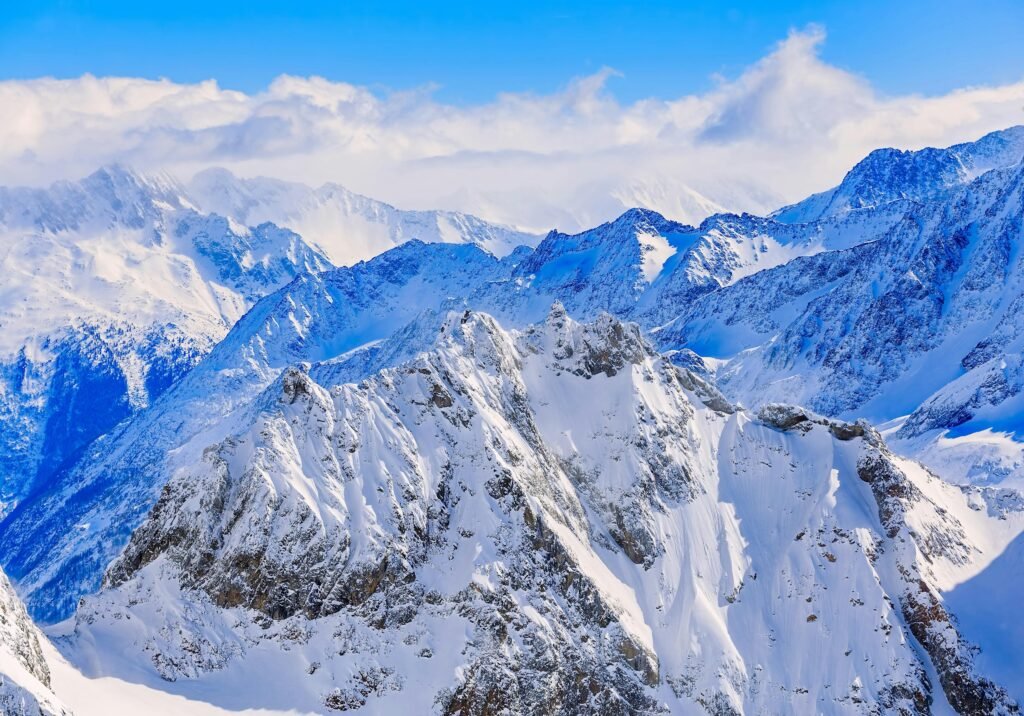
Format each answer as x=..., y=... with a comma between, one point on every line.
x=671, y=198
x=123, y=184
x=605, y=345
x=347, y=227
x=113, y=197
x=514, y=510
x=887, y=175
x=625, y=228
x=607, y=267
x=997, y=149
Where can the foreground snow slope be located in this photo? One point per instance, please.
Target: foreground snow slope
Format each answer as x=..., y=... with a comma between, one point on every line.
x=556, y=517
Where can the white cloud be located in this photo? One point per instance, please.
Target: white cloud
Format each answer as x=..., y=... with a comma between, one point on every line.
x=789, y=125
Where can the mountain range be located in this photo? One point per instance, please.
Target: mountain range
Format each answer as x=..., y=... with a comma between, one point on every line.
x=116, y=285
x=413, y=460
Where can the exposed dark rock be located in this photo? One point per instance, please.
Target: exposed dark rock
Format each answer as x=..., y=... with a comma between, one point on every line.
x=782, y=417
x=925, y=616
x=295, y=383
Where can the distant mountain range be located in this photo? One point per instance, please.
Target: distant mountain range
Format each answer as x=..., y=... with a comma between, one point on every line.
x=415, y=461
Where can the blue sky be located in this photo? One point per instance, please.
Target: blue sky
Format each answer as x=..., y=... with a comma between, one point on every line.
x=473, y=50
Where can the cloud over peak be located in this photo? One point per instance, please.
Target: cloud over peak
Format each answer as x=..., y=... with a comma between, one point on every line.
x=789, y=125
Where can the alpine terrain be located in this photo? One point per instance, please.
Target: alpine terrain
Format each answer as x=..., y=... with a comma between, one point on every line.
x=292, y=450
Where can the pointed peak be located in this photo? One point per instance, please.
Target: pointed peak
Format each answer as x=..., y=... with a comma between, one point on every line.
x=638, y=219
x=557, y=312
x=116, y=171
x=605, y=344
x=119, y=179
x=638, y=215
x=460, y=321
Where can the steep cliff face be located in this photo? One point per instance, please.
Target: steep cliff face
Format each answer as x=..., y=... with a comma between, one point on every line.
x=554, y=519
x=24, y=673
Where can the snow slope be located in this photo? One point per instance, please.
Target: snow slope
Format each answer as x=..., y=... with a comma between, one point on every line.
x=59, y=540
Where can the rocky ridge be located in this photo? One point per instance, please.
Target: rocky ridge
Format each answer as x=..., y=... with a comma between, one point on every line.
x=606, y=533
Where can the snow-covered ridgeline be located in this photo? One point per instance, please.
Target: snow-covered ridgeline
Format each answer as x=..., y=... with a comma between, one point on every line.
x=888, y=175
x=557, y=515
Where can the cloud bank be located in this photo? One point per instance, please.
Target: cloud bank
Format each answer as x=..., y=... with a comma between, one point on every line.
x=788, y=126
